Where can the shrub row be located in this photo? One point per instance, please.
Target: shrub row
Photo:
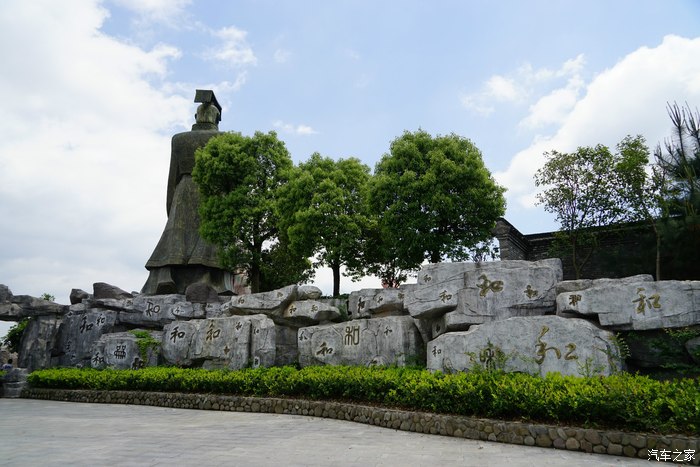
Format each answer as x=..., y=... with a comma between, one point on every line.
x=628, y=402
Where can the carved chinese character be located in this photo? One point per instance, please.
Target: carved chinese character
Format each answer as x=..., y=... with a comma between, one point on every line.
x=176, y=334
x=388, y=331
x=120, y=352
x=436, y=351
x=292, y=309
x=571, y=347
x=574, y=299
x=542, y=348
x=643, y=301
x=530, y=292
x=352, y=335
x=151, y=308
x=486, y=285
x=324, y=350
x=212, y=333
x=84, y=325
x=444, y=296
x=360, y=304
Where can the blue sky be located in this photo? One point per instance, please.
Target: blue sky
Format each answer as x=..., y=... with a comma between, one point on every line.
x=92, y=91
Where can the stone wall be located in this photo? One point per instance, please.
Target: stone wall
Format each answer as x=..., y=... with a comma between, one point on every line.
x=616, y=443
x=624, y=251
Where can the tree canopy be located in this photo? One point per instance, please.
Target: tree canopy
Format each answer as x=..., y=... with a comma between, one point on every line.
x=239, y=177
x=434, y=199
x=322, y=212
x=592, y=187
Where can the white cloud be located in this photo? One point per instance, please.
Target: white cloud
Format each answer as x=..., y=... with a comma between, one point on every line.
x=520, y=86
x=85, y=149
x=169, y=12
x=290, y=128
x=233, y=50
x=282, y=55
x=628, y=98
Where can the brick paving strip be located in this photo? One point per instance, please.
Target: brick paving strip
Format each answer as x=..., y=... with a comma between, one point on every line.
x=669, y=448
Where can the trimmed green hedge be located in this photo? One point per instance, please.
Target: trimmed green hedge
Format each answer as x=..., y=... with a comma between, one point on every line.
x=626, y=402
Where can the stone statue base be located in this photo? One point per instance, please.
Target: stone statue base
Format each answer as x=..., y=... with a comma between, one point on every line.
x=175, y=279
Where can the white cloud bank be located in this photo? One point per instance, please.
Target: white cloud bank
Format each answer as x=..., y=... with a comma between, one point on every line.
x=83, y=147
x=629, y=98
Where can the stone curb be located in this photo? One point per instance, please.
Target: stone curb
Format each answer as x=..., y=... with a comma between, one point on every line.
x=615, y=443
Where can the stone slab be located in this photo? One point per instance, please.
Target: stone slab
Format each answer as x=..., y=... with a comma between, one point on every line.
x=644, y=305
x=393, y=340
x=535, y=345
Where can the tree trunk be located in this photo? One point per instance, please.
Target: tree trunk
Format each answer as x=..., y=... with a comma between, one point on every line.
x=336, y=278
x=435, y=256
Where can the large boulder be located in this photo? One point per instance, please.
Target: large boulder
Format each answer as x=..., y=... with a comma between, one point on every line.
x=156, y=310
x=38, y=346
x=536, y=345
x=392, y=340
x=127, y=350
x=79, y=332
x=623, y=305
x=104, y=290
x=233, y=342
x=309, y=312
x=369, y=303
x=17, y=307
x=271, y=303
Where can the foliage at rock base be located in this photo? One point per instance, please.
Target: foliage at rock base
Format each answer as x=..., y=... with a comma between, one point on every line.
x=624, y=401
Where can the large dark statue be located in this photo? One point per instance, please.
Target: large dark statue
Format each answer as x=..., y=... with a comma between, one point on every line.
x=182, y=257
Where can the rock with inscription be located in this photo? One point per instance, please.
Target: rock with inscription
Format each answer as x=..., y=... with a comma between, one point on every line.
x=38, y=343
x=157, y=310
x=127, y=350
x=376, y=303
x=104, y=290
x=308, y=292
x=536, y=345
x=310, y=312
x=77, y=296
x=79, y=332
x=636, y=305
x=501, y=290
x=392, y=340
x=233, y=342
x=271, y=303
x=583, y=284
x=433, y=300
x=178, y=339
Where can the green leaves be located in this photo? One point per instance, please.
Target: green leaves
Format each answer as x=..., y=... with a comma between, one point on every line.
x=435, y=200
x=629, y=402
x=238, y=178
x=322, y=211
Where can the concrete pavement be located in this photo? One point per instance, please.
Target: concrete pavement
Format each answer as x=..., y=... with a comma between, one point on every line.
x=49, y=433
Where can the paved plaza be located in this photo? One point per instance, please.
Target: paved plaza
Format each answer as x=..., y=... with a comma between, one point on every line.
x=49, y=433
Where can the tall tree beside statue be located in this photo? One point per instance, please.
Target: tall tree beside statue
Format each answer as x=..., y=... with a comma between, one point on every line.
x=239, y=178
x=434, y=199
x=322, y=210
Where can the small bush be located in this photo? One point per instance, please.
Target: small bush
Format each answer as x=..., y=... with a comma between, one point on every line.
x=623, y=401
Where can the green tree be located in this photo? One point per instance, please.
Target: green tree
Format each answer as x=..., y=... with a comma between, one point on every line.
x=281, y=266
x=679, y=162
x=239, y=178
x=13, y=338
x=644, y=188
x=434, y=199
x=589, y=188
x=322, y=212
